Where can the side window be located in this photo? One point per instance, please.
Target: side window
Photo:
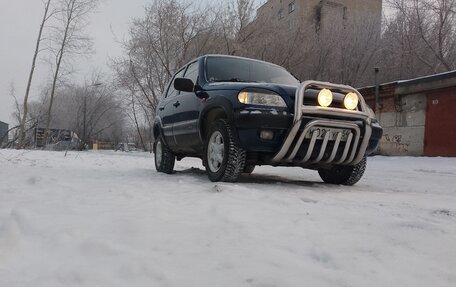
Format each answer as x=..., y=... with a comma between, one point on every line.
x=192, y=72
x=171, y=91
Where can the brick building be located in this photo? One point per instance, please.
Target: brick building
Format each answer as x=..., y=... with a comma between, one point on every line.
x=3, y=133
x=291, y=15
x=329, y=40
x=418, y=116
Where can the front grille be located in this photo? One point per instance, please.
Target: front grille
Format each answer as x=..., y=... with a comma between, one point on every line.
x=325, y=141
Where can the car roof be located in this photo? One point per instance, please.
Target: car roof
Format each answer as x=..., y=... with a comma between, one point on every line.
x=233, y=57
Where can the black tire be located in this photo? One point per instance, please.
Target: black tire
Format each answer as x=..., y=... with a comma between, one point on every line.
x=229, y=163
x=345, y=175
x=248, y=168
x=164, y=157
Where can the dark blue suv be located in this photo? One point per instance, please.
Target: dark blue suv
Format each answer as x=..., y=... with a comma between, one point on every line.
x=235, y=113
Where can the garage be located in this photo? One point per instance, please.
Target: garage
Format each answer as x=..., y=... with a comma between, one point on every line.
x=418, y=116
x=440, y=134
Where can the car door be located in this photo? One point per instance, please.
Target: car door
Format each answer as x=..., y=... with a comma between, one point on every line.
x=166, y=110
x=187, y=110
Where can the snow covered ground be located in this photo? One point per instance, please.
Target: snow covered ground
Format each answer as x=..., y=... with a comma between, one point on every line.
x=109, y=219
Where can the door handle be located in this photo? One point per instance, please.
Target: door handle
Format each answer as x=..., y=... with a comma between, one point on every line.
x=176, y=104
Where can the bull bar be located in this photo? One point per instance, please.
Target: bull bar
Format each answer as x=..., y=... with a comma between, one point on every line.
x=353, y=152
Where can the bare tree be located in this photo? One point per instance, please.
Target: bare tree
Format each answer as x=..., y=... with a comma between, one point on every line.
x=17, y=114
x=98, y=110
x=134, y=117
x=170, y=34
x=93, y=110
x=337, y=51
x=46, y=15
x=420, y=38
x=70, y=39
x=347, y=54
x=234, y=19
x=159, y=44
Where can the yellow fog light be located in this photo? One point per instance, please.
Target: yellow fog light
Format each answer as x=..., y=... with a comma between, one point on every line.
x=325, y=98
x=351, y=101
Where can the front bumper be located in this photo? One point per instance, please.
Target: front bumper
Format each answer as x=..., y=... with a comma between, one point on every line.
x=250, y=122
x=348, y=135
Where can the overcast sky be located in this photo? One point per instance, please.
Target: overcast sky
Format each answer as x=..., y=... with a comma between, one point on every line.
x=19, y=24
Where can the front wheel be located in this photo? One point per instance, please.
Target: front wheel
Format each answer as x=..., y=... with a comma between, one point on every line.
x=224, y=158
x=164, y=157
x=345, y=175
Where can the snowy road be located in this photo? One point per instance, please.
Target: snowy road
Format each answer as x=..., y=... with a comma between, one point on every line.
x=108, y=219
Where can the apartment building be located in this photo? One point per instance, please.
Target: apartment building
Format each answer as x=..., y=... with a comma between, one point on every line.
x=320, y=14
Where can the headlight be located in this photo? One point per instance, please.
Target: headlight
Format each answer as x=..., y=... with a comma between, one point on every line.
x=325, y=98
x=351, y=101
x=260, y=98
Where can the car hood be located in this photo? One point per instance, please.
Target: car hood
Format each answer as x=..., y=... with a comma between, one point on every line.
x=284, y=90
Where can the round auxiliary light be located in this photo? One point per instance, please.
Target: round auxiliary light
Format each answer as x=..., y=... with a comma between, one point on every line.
x=351, y=101
x=325, y=98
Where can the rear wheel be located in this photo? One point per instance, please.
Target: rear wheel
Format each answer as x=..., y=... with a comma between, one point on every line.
x=164, y=157
x=345, y=175
x=223, y=157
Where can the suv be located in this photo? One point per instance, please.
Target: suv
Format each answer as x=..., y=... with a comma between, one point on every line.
x=235, y=113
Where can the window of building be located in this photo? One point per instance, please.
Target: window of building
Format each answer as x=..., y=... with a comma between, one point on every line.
x=291, y=7
x=280, y=14
x=292, y=24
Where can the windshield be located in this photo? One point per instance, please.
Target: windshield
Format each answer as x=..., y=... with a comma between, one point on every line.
x=220, y=69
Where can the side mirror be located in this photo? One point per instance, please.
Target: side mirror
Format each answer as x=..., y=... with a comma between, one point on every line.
x=184, y=85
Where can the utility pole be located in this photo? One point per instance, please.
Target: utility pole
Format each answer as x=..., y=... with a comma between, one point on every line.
x=377, y=92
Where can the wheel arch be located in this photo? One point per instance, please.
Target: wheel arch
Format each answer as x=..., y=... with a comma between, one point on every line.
x=157, y=127
x=220, y=108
